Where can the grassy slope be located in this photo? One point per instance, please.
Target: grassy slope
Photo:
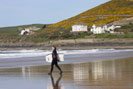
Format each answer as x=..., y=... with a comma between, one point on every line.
x=14, y=29
x=11, y=34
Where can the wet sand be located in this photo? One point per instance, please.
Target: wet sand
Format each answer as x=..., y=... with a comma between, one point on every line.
x=103, y=74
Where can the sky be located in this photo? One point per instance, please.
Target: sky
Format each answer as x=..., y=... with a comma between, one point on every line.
x=22, y=12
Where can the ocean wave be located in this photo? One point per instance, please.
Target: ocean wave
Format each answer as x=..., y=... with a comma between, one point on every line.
x=36, y=53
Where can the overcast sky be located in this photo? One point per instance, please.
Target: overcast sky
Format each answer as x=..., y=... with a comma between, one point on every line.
x=21, y=12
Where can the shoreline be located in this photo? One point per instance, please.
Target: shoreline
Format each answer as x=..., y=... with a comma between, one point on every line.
x=67, y=48
x=72, y=44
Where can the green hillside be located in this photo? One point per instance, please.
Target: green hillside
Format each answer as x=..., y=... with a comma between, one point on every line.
x=14, y=29
x=11, y=34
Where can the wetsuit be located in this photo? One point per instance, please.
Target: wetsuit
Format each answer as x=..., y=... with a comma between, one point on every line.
x=55, y=61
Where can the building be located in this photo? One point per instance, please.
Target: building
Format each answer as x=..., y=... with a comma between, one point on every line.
x=29, y=30
x=103, y=29
x=97, y=30
x=26, y=31
x=34, y=28
x=79, y=27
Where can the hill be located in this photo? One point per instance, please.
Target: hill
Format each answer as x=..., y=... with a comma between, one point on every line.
x=106, y=13
x=14, y=29
x=11, y=34
x=102, y=14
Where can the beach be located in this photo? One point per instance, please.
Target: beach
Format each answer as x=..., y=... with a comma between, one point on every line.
x=104, y=74
x=82, y=69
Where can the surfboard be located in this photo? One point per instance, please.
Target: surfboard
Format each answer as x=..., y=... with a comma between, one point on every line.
x=60, y=57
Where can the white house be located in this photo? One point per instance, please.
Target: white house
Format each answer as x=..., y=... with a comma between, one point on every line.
x=80, y=27
x=97, y=30
x=29, y=30
x=26, y=31
x=103, y=29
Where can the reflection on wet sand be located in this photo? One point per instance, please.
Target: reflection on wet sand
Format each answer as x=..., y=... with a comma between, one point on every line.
x=80, y=71
x=111, y=74
x=104, y=73
x=55, y=85
x=94, y=70
x=26, y=72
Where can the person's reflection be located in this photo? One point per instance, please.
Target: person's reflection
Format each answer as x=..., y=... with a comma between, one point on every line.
x=56, y=85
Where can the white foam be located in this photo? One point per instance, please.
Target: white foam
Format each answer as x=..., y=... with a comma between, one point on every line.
x=36, y=53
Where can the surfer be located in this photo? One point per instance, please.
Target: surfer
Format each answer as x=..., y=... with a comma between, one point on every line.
x=54, y=61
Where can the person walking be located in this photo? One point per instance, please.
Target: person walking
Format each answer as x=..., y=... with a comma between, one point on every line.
x=54, y=61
